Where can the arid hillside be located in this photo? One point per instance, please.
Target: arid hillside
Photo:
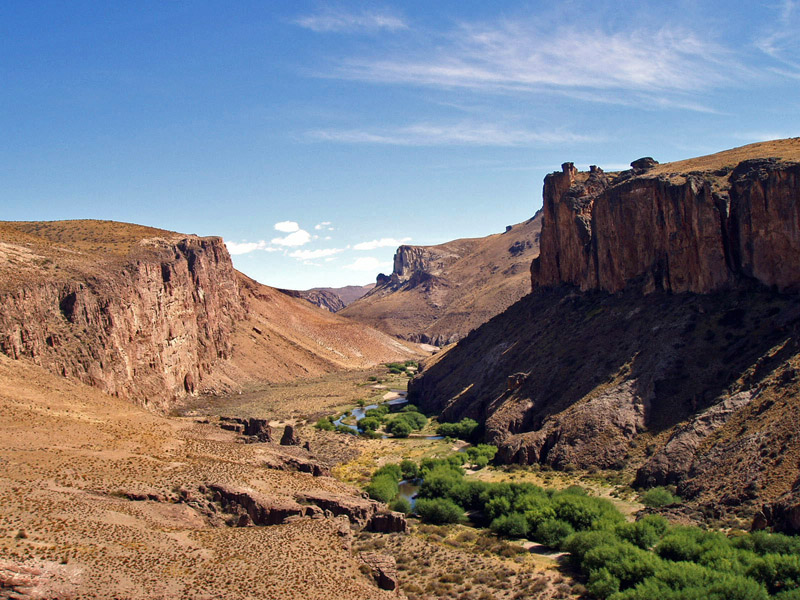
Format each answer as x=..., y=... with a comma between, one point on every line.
x=438, y=294
x=678, y=360
x=103, y=499
x=155, y=316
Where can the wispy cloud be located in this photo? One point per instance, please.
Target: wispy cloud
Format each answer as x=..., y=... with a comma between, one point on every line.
x=340, y=21
x=324, y=226
x=297, y=238
x=431, y=134
x=533, y=57
x=313, y=254
x=368, y=264
x=381, y=243
x=781, y=43
x=236, y=248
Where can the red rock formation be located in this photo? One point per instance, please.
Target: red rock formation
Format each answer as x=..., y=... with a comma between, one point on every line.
x=150, y=330
x=692, y=232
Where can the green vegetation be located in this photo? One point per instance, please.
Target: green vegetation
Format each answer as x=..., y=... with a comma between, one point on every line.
x=408, y=368
x=405, y=422
x=400, y=505
x=481, y=455
x=439, y=511
x=325, y=423
x=620, y=560
x=465, y=429
x=659, y=496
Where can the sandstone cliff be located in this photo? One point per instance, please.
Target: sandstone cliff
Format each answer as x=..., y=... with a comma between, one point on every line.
x=696, y=231
x=153, y=315
x=437, y=294
x=693, y=383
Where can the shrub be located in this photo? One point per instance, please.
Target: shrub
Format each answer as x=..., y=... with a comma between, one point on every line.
x=393, y=470
x=324, y=424
x=514, y=525
x=553, y=532
x=399, y=428
x=602, y=584
x=624, y=561
x=345, y=429
x=659, y=496
x=465, y=429
x=439, y=511
x=645, y=532
x=409, y=469
x=441, y=482
x=383, y=488
x=369, y=424
x=401, y=505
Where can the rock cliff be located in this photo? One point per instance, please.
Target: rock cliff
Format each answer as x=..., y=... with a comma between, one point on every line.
x=153, y=315
x=697, y=231
x=438, y=294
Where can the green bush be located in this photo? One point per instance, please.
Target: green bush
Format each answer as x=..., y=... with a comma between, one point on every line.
x=324, y=424
x=369, y=424
x=465, y=429
x=645, y=532
x=393, y=470
x=409, y=469
x=399, y=428
x=439, y=511
x=659, y=496
x=553, y=532
x=401, y=505
x=383, y=488
x=514, y=525
x=345, y=429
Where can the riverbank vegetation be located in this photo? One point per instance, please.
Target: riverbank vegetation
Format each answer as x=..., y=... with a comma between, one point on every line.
x=618, y=559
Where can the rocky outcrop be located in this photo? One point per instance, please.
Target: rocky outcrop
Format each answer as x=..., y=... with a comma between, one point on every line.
x=383, y=568
x=254, y=508
x=258, y=430
x=362, y=512
x=290, y=436
x=151, y=329
x=679, y=232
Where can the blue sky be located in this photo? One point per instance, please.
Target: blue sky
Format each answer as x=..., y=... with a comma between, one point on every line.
x=314, y=137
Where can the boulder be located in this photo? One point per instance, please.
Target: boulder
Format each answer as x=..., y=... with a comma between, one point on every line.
x=383, y=568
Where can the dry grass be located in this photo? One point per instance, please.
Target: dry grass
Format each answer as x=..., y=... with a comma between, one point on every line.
x=67, y=450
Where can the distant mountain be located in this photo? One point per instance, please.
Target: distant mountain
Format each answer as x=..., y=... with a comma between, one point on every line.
x=438, y=294
x=332, y=299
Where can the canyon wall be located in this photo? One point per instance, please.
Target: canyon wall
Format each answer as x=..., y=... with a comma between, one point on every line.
x=149, y=328
x=679, y=232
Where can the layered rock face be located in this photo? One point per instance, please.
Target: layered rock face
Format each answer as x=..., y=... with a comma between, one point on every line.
x=156, y=316
x=686, y=232
x=150, y=328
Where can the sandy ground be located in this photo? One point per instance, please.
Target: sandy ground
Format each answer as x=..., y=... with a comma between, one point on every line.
x=68, y=451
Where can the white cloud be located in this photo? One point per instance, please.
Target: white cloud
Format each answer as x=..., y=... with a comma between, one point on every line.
x=533, y=57
x=311, y=254
x=287, y=226
x=297, y=238
x=461, y=134
x=368, y=263
x=235, y=248
x=325, y=225
x=339, y=21
x=381, y=243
